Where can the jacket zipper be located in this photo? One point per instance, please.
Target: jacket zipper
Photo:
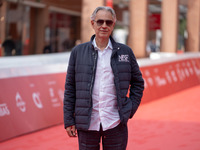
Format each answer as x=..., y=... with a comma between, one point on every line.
x=93, y=75
x=114, y=52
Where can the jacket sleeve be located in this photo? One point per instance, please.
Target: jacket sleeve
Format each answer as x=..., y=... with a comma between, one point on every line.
x=136, y=85
x=70, y=93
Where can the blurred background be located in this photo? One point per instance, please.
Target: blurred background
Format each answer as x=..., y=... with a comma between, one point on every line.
x=48, y=26
x=36, y=38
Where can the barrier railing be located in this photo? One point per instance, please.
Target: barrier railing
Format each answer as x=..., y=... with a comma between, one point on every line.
x=32, y=87
x=170, y=77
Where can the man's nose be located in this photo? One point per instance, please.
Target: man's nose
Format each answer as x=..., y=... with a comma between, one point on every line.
x=104, y=24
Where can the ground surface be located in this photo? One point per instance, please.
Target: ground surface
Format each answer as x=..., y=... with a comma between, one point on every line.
x=169, y=123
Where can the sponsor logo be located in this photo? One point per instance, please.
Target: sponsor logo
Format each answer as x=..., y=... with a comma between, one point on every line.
x=4, y=110
x=61, y=94
x=54, y=100
x=20, y=103
x=36, y=100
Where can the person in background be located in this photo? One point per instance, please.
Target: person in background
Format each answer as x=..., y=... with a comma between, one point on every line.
x=151, y=47
x=9, y=46
x=78, y=42
x=47, y=48
x=98, y=78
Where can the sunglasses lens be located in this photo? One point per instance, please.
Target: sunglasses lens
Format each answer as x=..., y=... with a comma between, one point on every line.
x=109, y=22
x=100, y=22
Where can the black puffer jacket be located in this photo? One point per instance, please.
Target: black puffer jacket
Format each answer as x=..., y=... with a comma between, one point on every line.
x=80, y=80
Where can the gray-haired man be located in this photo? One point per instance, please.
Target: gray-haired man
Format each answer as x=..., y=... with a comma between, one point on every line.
x=99, y=75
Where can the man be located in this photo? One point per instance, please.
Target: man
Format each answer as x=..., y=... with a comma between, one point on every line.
x=99, y=75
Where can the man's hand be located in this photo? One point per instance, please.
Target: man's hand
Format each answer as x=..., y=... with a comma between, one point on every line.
x=71, y=131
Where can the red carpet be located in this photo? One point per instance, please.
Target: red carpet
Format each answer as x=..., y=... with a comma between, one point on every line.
x=170, y=123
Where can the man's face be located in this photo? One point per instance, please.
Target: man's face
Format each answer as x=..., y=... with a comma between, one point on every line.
x=103, y=24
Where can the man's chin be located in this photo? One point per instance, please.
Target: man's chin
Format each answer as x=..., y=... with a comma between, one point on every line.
x=106, y=35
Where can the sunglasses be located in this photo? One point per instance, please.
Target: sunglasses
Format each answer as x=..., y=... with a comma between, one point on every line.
x=101, y=22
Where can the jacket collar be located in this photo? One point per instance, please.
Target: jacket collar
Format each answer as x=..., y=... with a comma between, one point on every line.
x=114, y=44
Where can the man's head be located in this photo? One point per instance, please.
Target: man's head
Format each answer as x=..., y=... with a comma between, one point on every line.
x=103, y=21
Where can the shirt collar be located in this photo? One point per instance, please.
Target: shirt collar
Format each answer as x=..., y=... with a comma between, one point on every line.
x=109, y=46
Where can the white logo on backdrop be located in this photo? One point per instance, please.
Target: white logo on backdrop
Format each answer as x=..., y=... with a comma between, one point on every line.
x=173, y=74
x=169, y=79
x=190, y=68
x=180, y=72
x=4, y=110
x=149, y=80
x=51, y=82
x=196, y=70
x=20, y=103
x=36, y=100
x=54, y=100
x=160, y=81
x=61, y=94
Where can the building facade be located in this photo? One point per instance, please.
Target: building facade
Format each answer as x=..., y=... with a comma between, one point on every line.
x=44, y=26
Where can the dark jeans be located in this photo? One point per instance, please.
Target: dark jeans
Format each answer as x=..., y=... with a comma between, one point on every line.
x=112, y=139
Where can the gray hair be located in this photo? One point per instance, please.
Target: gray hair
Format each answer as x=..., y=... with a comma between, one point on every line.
x=104, y=8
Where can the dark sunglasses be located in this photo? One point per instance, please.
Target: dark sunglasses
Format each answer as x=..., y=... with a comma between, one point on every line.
x=101, y=22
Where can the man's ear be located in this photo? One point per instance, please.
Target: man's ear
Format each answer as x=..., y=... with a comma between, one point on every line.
x=92, y=23
x=114, y=24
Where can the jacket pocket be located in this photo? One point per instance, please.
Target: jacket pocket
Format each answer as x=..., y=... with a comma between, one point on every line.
x=126, y=109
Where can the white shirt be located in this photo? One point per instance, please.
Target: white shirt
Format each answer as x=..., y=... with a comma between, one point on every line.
x=104, y=93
